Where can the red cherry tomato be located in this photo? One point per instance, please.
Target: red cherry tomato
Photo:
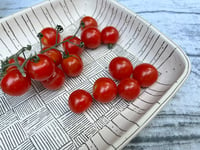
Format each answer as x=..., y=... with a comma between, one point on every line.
x=91, y=37
x=11, y=61
x=109, y=35
x=104, y=90
x=72, y=65
x=71, y=48
x=54, y=54
x=49, y=37
x=120, y=68
x=146, y=74
x=20, y=60
x=56, y=80
x=88, y=22
x=79, y=101
x=14, y=84
x=128, y=89
x=42, y=69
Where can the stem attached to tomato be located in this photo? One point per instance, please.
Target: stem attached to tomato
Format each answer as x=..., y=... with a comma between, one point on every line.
x=5, y=64
x=82, y=24
x=65, y=55
x=21, y=68
x=40, y=35
x=35, y=58
x=110, y=46
x=60, y=29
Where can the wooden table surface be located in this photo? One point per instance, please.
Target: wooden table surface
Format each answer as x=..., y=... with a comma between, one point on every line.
x=177, y=126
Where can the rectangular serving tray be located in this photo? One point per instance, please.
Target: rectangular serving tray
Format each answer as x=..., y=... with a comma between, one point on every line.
x=41, y=118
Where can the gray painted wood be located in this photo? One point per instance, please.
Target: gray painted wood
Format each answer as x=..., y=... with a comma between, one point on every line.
x=177, y=126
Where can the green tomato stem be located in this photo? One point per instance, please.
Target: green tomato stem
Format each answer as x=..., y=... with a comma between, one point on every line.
x=110, y=46
x=40, y=35
x=35, y=58
x=82, y=24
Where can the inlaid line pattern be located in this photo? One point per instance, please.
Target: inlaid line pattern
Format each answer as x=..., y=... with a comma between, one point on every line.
x=105, y=15
x=29, y=42
x=36, y=17
x=48, y=17
x=42, y=120
x=54, y=9
x=68, y=8
x=2, y=41
x=29, y=28
x=14, y=35
x=8, y=36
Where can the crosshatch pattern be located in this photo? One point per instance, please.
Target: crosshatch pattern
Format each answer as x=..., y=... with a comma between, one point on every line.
x=41, y=118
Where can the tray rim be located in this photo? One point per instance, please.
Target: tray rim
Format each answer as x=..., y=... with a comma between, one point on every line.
x=152, y=112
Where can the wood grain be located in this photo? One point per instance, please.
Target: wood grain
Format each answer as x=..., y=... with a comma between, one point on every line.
x=177, y=126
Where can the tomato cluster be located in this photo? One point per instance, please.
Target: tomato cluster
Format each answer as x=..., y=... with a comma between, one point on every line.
x=51, y=66
x=93, y=37
x=130, y=79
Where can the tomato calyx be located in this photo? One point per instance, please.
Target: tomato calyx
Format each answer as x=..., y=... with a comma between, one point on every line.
x=69, y=55
x=35, y=58
x=82, y=24
x=59, y=28
x=110, y=46
x=88, y=21
x=66, y=55
x=82, y=44
x=109, y=36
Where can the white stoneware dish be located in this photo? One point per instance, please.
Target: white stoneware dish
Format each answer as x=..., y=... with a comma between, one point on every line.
x=41, y=118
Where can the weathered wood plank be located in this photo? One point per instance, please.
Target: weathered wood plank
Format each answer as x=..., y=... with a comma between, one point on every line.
x=8, y=7
x=155, y=5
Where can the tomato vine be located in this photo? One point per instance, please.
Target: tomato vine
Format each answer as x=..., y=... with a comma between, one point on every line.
x=35, y=58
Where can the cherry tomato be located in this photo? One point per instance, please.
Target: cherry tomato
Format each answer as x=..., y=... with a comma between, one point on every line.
x=128, y=89
x=120, y=68
x=54, y=54
x=146, y=74
x=88, y=22
x=11, y=61
x=73, y=48
x=104, y=90
x=72, y=65
x=42, y=69
x=56, y=80
x=91, y=37
x=14, y=84
x=20, y=60
x=79, y=101
x=49, y=37
x=109, y=35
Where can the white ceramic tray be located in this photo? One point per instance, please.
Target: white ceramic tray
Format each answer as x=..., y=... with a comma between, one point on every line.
x=41, y=118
